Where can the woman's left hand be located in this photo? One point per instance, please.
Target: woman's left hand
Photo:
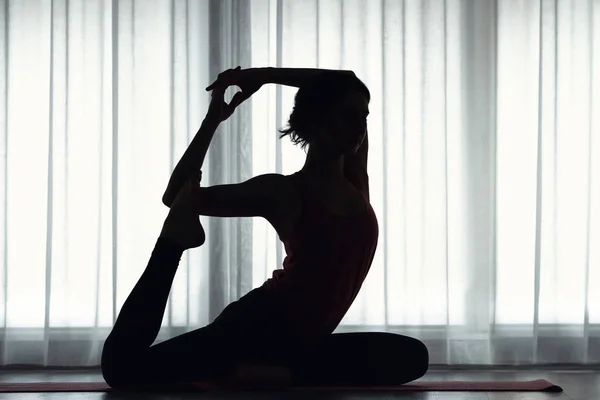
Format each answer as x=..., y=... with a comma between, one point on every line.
x=248, y=80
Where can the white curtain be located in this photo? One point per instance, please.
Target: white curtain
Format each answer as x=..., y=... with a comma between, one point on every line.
x=485, y=141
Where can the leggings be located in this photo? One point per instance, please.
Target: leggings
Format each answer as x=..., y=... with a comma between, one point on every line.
x=250, y=330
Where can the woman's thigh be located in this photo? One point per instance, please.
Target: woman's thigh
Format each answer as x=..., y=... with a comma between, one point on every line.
x=361, y=359
x=243, y=332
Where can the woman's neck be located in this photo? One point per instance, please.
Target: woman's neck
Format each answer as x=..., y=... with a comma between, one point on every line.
x=323, y=166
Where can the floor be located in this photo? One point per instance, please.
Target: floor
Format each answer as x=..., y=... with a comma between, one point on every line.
x=577, y=385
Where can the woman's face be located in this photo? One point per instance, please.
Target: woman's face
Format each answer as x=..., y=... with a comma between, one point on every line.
x=346, y=127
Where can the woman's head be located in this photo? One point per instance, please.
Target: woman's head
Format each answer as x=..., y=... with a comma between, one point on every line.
x=330, y=111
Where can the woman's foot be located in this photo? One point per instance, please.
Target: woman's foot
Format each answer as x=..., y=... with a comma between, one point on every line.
x=182, y=225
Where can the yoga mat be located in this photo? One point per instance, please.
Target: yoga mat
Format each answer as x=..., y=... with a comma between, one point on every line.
x=540, y=385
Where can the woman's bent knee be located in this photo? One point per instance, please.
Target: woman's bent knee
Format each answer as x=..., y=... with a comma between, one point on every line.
x=112, y=374
x=420, y=355
x=113, y=365
x=399, y=359
x=403, y=354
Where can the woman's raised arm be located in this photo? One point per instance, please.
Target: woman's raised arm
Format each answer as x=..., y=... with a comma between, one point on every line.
x=191, y=162
x=295, y=77
x=251, y=79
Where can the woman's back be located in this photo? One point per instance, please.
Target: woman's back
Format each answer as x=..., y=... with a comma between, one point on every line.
x=328, y=256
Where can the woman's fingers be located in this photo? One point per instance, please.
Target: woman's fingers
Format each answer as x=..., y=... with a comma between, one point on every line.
x=218, y=104
x=212, y=86
x=222, y=78
x=218, y=92
x=237, y=99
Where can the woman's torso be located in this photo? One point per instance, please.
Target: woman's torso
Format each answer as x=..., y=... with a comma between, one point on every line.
x=329, y=251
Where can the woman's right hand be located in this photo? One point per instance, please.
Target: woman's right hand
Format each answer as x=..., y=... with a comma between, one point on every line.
x=249, y=80
x=218, y=108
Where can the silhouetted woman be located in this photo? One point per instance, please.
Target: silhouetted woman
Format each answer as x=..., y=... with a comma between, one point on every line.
x=323, y=217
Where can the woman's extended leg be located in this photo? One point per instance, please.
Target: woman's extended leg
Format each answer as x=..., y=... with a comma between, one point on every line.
x=127, y=358
x=361, y=359
x=243, y=333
